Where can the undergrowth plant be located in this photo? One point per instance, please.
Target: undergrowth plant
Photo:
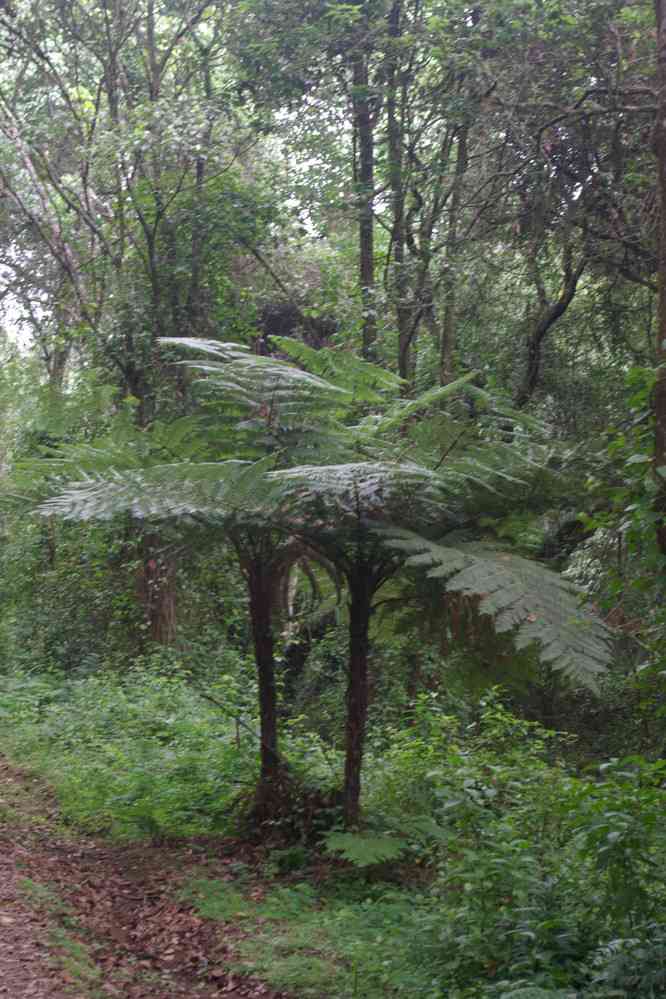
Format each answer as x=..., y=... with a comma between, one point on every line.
x=139, y=754
x=160, y=750
x=487, y=869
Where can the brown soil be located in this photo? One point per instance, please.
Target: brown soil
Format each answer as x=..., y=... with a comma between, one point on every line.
x=82, y=919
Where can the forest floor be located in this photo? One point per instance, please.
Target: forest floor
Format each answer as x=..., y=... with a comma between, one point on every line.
x=81, y=918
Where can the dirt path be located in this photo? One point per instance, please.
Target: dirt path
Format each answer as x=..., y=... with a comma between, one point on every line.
x=25, y=969
x=80, y=919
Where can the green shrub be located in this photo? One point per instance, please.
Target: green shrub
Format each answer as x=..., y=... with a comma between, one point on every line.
x=151, y=752
x=144, y=754
x=532, y=867
x=634, y=966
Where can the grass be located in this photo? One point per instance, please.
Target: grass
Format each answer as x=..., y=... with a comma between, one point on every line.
x=73, y=956
x=342, y=942
x=24, y=808
x=71, y=953
x=45, y=899
x=8, y=814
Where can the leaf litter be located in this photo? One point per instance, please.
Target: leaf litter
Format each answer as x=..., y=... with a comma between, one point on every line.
x=116, y=908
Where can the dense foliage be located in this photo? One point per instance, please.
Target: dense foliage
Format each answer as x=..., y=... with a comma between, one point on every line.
x=333, y=470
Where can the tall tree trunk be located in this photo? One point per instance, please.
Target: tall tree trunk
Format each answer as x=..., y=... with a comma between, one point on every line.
x=400, y=284
x=260, y=588
x=365, y=186
x=660, y=387
x=361, y=593
x=450, y=282
x=56, y=350
x=549, y=313
x=156, y=587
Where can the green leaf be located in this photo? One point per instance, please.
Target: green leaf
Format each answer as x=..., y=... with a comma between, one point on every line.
x=534, y=992
x=521, y=596
x=365, y=381
x=212, y=490
x=363, y=850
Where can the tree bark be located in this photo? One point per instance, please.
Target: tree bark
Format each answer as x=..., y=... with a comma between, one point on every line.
x=549, y=313
x=450, y=281
x=365, y=185
x=659, y=143
x=157, y=590
x=401, y=297
x=260, y=590
x=361, y=592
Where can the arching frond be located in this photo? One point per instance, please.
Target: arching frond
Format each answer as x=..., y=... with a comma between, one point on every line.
x=216, y=348
x=370, y=490
x=258, y=381
x=521, y=596
x=404, y=409
x=214, y=491
x=365, y=381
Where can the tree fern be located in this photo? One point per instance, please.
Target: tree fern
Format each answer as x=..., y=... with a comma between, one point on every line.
x=365, y=381
x=521, y=596
x=255, y=380
x=212, y=491
x=336, y=507
x=367, y=492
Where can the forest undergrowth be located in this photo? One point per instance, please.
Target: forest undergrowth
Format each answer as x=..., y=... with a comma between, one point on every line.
x=491, y=863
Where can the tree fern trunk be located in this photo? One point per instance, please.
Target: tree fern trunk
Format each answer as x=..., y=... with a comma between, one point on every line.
x=357, y=696
x=260, y=592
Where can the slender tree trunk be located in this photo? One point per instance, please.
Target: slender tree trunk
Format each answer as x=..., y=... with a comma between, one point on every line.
x=549, y=313
x=157, y=590
x=361, y=591
x=260, y=589
x=151, y=52
x=50, y=543
x=365, y=186
x=660, y=387
x=57, y=352
x=448, y=334
x=400, y=289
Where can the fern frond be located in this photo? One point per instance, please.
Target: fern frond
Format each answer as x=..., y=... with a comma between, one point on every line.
x=372, y=490
x=538, y=605
x=363, y=850
x=496, y=407
x=257, y=380
x=216, y=491
x=403, y=409
x=365, y=381
x=222, y=351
